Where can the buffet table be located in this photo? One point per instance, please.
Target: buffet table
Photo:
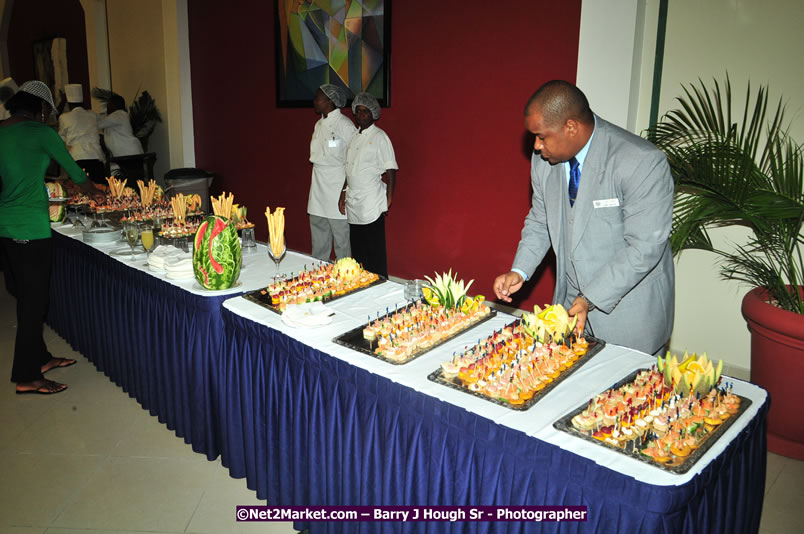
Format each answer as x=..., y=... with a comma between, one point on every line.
x=309, y=422
x=155, y=338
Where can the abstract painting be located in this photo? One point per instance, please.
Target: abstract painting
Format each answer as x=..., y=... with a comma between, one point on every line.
x=342, y=42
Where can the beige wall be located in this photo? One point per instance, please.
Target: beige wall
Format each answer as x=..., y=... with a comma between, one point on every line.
x=750, y=39
x=147, y=49
x=97, y=47
x=137, y=58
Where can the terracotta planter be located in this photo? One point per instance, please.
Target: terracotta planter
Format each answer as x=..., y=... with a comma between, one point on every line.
x=777, y=364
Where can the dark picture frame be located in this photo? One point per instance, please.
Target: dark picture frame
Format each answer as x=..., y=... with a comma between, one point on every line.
x=341, y=42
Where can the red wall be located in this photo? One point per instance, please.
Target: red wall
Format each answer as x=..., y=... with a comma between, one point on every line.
x=459, y=82
x=34, y=20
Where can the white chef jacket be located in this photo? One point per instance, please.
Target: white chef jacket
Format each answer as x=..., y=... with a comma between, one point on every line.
x=370, y=154
x=79, y=130
x=118, y=136
x=331, y=137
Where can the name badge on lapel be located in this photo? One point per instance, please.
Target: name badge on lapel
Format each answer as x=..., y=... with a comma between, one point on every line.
x=334, y=143
x=606, y=203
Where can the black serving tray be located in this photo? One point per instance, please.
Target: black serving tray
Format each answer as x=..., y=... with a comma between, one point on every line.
x=595, y=346
x=354, y=339
x=265, y=300
x=565, y=425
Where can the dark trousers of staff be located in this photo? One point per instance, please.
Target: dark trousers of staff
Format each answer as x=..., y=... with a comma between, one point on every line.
x=29, y=265
x=368, y=245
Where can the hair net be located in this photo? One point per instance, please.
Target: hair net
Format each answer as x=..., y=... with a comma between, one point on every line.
x=37, y=88
x=368, y=101
x=334, y=93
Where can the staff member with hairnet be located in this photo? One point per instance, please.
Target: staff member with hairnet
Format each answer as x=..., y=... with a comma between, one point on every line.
x=366, y=198
x=79, y=130
x=331, y=137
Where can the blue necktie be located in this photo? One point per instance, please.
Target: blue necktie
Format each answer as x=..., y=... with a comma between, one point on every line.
x=574, y=180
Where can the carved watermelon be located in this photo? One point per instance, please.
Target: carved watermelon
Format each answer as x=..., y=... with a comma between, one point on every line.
x=57, y=211
x=55, y=190
x=216, y=253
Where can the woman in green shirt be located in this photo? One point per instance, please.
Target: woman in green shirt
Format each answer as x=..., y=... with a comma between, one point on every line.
x=26, y=147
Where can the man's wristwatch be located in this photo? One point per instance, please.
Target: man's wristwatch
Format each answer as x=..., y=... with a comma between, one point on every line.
x=589, y=302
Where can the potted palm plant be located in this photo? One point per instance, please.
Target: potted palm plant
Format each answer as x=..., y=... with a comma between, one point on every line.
x=747, y=171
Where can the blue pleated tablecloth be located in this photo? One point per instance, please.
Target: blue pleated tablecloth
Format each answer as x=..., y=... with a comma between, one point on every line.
x=309, y=422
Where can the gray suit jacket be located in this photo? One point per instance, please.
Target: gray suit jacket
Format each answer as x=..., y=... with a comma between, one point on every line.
x=619, y=249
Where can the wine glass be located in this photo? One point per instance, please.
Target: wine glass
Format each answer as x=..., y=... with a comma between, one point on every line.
x=77, y=217
x=147, y=238
x=132, y=234
x=277, y=257
x=68, y=215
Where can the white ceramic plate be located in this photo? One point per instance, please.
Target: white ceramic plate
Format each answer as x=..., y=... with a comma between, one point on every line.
x=126, y=253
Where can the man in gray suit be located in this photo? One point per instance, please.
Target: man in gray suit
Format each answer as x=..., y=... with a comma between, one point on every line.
x=603, y=198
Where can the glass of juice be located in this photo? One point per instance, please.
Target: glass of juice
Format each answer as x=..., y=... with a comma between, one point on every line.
x=147, y=238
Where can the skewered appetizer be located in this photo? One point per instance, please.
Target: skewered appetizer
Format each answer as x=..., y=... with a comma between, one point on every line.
x=417, y=327
x=321, y=283
x=112, y=204
x=239, y=214
x=78, y=199
x=175, y=229
x=646, y=415
x=511, y=365
x=445, y=311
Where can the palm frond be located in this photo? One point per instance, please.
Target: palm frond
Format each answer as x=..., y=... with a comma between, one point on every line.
x=726, y=173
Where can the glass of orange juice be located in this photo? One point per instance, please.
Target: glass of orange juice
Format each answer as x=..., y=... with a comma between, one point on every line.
x=147, y=238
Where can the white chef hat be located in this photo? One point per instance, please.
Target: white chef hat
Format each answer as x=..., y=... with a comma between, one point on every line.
x=367, y=100
x=74, y=93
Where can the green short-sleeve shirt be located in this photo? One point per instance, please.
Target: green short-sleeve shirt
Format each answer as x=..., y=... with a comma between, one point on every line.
x=26, y=149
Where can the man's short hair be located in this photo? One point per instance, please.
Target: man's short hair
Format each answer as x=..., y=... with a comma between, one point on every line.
x=117, y=102
x=559, y=101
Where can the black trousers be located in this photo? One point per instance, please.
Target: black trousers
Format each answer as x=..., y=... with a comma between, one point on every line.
x=368, y=245
x=29, y=264
x=95, y=169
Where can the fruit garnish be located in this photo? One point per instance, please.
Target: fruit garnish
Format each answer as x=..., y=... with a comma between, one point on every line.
x=449, y=291
x=430, y=297
x=694, y=375
x=551, y=324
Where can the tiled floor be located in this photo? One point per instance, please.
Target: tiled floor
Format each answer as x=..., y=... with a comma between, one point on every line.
x=92, y=461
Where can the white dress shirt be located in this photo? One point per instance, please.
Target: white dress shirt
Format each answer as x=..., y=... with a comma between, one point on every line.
x=370, y=154
x=331, y=137
x=118, y=136
x=79, y=129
